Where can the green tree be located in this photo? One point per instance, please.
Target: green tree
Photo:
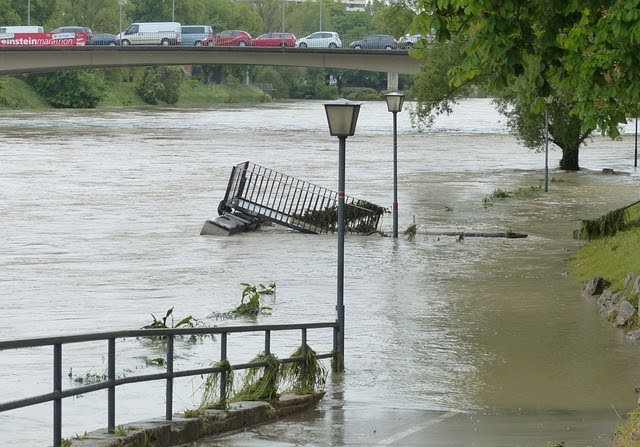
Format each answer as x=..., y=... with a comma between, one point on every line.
x=270, y=11
x=38, y=11
x=72, y=89
x=565, y=129
x=160, y=84
x=230, y=14
x=588, y=47
x=432, y=89
x=8, y=15
x=98, y=15
x=435, y=95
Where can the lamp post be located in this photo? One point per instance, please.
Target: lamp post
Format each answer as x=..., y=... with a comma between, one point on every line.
x=342, y=116
x=546, y=149
x=173, y=11
x=29, y=12
x=394, y=104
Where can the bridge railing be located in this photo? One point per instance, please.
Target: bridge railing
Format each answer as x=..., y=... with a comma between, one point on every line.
x=169, y=335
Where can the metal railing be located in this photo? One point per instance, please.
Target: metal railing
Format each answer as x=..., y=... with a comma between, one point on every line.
x=294, y=203
x=112, y=382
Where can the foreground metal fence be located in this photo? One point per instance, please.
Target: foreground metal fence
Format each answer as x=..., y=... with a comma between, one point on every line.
x=111, y=383
x=294, y=203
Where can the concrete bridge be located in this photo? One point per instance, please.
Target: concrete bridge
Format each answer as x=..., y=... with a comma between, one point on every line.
x=20, y=60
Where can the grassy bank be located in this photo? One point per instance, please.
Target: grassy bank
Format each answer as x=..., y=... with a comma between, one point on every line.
x=611, y=257
x=20, y=95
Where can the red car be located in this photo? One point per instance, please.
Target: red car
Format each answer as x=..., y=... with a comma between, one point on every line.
x=275, y=40
x=230, y=38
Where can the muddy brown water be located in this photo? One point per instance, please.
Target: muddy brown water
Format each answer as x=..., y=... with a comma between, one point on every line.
x=101, y=213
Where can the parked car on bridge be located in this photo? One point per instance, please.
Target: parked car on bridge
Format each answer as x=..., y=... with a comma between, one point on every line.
x=103, y=39
x=320, y=39
x=409, y=40
x=230, y=38
x=151, y=33
x=375, y=42
x=195, y=34
x=73, y=29
x=275, y=40
x=20, y=29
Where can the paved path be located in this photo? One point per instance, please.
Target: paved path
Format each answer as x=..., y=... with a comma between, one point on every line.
x=335, y=423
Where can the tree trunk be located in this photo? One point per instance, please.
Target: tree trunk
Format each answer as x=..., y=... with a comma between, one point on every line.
x=569, y=160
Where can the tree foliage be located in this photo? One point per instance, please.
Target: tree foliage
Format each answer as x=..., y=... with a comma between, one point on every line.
x=588, y=47
x=72, y=89
x=432, y=90
x=160, y=85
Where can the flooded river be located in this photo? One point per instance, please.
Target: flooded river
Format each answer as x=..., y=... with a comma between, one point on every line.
x=101, y=213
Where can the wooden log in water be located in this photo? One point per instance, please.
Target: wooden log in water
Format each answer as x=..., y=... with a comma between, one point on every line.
x=507, y=235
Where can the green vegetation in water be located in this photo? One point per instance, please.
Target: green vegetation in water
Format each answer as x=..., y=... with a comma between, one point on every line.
x=211, y=398
x=261, y=383
x=610, y=257
x=250, y=303
x=265, y=382
x=162, y=324
x=502, y=194
x=410, y=232
x=627, y=433
x=360, y=216
x=611, y=223
x=308, y=376
x=88, y=378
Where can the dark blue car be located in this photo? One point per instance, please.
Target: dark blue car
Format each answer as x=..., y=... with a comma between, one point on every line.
x=103, y=39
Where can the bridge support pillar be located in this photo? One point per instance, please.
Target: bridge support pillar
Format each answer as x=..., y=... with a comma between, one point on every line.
x=392, y=82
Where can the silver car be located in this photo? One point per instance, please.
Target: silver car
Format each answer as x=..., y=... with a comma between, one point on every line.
x=320, y=39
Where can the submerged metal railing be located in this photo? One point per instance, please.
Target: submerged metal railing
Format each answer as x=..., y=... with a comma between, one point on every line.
x=58, y=394
x=294, y=203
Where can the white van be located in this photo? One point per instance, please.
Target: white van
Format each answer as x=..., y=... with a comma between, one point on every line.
x=151, y=33
x=21, y=29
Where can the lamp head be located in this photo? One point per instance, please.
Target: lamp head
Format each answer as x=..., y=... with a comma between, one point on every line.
x=342, y=116
x=395, y=101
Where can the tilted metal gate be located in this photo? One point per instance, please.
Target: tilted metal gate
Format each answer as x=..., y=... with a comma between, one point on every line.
x=297, y=204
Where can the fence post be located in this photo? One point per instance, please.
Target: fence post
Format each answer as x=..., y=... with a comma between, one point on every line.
x=169, y=391
x=223, y=373
x=57, y=388
x=304, y=350
x=267, y=342
x=304, y=340
x=111, y=391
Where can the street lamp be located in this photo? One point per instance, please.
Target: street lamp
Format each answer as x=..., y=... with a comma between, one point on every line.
x=394, y=104
x=29, y=12
x=342, y=116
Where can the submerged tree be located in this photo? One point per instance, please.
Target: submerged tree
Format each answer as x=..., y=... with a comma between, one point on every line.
x=566, y=130
x=436, y=94
x=588, y=47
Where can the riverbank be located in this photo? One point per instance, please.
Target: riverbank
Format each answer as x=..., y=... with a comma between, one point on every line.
x=608, y=267
x=18, y=94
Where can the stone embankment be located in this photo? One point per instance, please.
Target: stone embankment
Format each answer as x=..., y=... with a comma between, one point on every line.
x=621, y=307
x=181, y=430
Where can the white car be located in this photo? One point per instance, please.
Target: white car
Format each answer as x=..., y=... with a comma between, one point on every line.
x=320, y=39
